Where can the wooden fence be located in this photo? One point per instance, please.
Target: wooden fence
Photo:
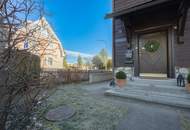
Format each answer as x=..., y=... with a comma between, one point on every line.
x=69, y=76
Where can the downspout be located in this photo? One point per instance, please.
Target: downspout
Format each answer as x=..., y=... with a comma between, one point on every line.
x=113, y=41
x=113, y=48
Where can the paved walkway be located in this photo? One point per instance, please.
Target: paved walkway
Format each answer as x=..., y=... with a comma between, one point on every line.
x=144, y=115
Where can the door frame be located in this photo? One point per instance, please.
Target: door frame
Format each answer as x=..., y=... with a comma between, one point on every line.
x=149, y=31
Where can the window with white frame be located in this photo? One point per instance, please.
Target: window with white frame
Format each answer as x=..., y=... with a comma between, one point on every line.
x=44, y=31
x=49, y=61
x=26, y=45
x=50, y=44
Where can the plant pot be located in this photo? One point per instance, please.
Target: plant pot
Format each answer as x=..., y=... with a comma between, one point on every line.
x=121, y=82
x=188, y=87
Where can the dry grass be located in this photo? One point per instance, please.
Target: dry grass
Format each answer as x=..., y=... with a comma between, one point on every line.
x=92, y=113
x=185, y=121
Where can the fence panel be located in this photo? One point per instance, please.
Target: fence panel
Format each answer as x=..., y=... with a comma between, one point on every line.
x=69, y=76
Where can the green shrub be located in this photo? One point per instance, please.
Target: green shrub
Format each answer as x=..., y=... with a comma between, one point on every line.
x=121, y=75
x=188, y=78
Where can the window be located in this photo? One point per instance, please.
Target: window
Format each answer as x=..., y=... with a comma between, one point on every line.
x=33, y=44
x=44, y=31
x=49, y=61
x=50, y=44
x=26, y=46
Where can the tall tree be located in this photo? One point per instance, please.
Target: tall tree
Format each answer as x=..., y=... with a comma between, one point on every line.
x=109, y=64
x=104, y=57
x=65, y=62
x=79, y=61
x=88, y=62
x=97, y=62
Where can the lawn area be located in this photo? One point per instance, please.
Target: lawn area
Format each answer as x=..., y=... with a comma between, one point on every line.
x=185, y=121
x=92, y=112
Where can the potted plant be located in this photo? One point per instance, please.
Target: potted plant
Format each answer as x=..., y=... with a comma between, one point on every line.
x=188, y=82
x=121, y=79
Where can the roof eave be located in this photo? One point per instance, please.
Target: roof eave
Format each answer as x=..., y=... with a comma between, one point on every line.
x=136, y=8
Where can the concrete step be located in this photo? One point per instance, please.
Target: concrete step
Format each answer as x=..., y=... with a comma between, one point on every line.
x=133, y=84
x=158, y=88
x=167, y=82
x=177, y=91
x=166, y=98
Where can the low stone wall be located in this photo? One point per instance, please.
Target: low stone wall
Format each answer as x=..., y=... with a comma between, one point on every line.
x=99, y=76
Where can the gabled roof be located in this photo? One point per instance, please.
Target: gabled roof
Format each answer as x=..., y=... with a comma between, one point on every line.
x=47, y=25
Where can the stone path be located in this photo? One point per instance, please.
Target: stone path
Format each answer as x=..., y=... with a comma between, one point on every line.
x=143, y=117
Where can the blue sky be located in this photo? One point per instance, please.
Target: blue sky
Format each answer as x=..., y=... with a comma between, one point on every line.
x=80, y=24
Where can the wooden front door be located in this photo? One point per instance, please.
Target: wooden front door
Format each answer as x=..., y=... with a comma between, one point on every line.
x=153, y=54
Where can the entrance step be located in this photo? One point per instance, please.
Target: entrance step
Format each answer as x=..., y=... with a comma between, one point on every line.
x=182, y=101
x=156, y=88
x=161, y=93
x=167, y=82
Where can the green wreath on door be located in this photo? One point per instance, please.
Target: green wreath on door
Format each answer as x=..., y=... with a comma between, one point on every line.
x=152, y=46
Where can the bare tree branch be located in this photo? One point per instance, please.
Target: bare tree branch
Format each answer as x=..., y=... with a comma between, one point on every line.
x=21, y=83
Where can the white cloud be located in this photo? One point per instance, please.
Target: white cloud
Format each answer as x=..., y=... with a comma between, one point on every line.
x=76, y=54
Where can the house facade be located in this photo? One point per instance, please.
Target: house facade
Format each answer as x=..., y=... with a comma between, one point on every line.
x=151, y=38
x=44, y=43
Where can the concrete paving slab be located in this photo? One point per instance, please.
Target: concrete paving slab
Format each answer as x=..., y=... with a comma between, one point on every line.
x=150, y=118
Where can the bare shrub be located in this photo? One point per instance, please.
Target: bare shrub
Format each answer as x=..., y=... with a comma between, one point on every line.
x=21, y=85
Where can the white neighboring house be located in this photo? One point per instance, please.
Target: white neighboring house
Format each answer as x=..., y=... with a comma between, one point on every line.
x=45, y=44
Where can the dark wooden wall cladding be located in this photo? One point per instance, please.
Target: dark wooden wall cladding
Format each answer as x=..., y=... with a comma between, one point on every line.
x=159, y=15
x=182, y=51
x=120, y=43
x=154, y=16
x=126, y=4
